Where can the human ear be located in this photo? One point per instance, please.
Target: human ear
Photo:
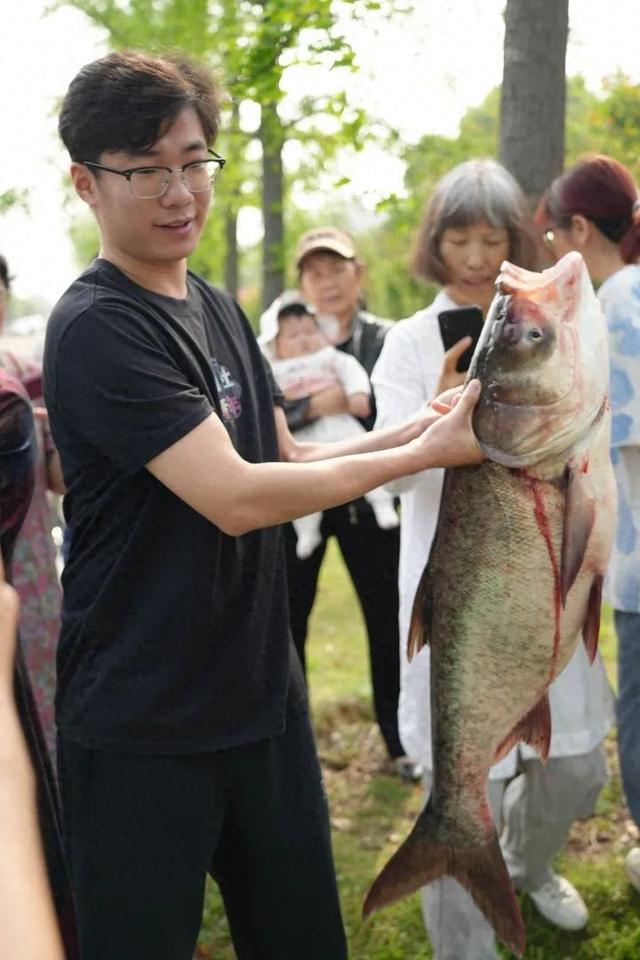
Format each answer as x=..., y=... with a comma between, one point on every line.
x=581, y=230
x=84, y=183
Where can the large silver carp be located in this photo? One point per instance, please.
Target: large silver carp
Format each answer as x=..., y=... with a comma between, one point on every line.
x=514, y=575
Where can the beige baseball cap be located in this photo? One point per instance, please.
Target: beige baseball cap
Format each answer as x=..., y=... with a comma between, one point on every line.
x=325, y=238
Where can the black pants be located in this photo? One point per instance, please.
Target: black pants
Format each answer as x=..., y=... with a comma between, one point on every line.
x=371, y=556
x=142, y=832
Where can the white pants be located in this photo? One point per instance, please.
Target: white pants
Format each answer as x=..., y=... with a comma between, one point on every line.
x=533, y=813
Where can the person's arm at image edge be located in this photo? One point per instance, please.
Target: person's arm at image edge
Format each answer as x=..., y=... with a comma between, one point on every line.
x=28, y=927
x=207, y=473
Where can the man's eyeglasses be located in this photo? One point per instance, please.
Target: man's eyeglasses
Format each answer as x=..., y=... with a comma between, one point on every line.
x=148, y=183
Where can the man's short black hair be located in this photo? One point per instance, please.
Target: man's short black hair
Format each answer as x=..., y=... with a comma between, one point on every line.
x=5, y=279
x=127, y=100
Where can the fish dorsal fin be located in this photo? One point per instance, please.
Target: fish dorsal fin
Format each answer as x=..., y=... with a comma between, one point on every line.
x=534, y=729
x=420, y=616
x=579, y=517
x=591, y=627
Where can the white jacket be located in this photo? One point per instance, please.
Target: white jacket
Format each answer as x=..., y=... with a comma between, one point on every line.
x=404, y=377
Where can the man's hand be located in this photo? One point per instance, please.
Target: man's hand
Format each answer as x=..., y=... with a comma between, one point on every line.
x=449, y=441
x=433, y=409
x=449, y=376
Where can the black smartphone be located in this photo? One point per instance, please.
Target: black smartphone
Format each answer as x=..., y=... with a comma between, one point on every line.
x=459, y=323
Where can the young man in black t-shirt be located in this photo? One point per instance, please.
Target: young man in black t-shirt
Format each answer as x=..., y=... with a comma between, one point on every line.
x=184, y=740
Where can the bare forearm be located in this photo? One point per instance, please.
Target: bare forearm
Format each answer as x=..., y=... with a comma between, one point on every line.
x=375, y=440
x=28, y=926
x=206, y=472
x=272, y=493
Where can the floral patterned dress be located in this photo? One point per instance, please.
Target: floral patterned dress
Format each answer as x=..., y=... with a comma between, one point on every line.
x=620, y=299
x=34, y=572
x=18, y=467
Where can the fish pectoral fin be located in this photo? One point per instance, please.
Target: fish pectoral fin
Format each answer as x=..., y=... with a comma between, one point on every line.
x=420, y=616
x=591, y=626
x=479, y=868
x=534, y=729
x=579, y=517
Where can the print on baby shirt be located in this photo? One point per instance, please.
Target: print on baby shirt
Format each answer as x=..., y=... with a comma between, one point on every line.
x=229, y=391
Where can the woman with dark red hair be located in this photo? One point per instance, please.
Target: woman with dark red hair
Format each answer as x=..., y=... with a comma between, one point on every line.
x=594, y=208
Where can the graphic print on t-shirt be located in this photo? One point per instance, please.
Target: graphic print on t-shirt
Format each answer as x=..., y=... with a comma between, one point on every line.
x=229, y=391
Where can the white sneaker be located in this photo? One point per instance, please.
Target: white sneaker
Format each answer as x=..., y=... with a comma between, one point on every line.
x=408, y=769
x=632, y=866
x=561, y=904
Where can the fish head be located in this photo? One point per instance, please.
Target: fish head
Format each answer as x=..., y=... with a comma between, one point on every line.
x=542, y=361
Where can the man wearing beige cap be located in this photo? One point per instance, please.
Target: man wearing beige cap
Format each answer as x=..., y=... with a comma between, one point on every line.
x=330, y=277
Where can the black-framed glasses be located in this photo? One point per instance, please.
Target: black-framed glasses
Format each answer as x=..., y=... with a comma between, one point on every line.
x=148, y=183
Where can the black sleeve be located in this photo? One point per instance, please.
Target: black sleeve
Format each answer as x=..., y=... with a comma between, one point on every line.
x=119, y=386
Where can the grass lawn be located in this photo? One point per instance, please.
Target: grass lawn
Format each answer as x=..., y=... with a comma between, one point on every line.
x=372, y=811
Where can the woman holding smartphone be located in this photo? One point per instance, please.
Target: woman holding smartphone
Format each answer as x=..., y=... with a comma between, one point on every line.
x=476, y=218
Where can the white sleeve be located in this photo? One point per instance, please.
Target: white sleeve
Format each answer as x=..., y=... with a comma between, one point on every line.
x=351, y=374
x=399, y=386
x=398, y=379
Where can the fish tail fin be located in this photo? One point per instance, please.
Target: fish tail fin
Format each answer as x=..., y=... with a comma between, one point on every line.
x=479, y=868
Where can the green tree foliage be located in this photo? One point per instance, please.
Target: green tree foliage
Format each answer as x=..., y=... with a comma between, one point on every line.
x=253, y=45
x=616, y=122
x=607, y=124
x=13, y=198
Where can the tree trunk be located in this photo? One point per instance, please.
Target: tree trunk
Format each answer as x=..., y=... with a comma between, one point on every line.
x=272, y=140
x=534, y=92
x=231, y=254
x=232, y=257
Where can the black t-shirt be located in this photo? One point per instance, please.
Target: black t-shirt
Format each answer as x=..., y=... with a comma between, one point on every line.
x=174, y=636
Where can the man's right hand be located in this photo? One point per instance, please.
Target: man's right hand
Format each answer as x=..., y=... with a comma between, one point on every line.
x=450, y=441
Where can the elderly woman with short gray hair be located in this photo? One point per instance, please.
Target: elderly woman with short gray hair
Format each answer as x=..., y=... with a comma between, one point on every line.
x=476, y=218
